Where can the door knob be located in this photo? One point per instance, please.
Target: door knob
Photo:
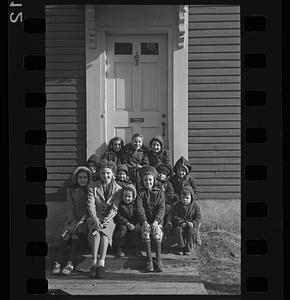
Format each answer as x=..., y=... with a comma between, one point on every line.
x=163, y=128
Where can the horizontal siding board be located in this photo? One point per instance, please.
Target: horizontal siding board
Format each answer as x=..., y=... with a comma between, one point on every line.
x=214, y=125
x=214, y=132
x=65, y=104
x=214, y=110
x=214, y=140
x=214, y=33
x=65, y=89
x=214, y=72
x=214, y=147
x=195, y=102
x=215, y=160
x=217, y=175
x=232, y=40
x=214, y=168
x=217, y=196
x=219, y=9
x=213, y=17
x=217, y=188
x=214, y=87
x=214, y=117
x=214, y=25
x=213, y=79
x=214, y=56
x=210, y=64
x=214, y=48
x=214, y=94
x=219, y=181
x=213, y=153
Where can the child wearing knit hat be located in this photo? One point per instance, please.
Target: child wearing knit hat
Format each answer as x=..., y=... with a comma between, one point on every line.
x=157, y=153
x=122, y=176
x=127, y=232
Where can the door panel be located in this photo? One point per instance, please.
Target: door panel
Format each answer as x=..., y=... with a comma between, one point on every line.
x=136, y=86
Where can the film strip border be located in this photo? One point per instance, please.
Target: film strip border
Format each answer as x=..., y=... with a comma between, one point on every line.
x=261, y=147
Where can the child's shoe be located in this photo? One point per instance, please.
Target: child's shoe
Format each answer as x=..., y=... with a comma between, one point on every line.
x=101, y=272
x=93, y=271
x=186, y=251
x=67, y=269
x=158, y=266
x=180, y=251
x=56, y=268
x=120, y=253
x=149, y=266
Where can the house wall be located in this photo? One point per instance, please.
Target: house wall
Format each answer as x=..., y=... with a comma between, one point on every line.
x=214, y=100
x=66, y=99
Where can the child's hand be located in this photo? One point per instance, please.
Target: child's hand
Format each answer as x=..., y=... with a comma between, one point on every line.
x=97, y=224
x=130, y=226
x=146, y=227
x=190, y=224
x=183, y=225
x=72, y=227
x=138, y=166
x=155, y=227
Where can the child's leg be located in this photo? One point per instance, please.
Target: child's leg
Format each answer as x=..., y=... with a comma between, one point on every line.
x=121, y=236
x=74, y=250
x=103, y=249
x=179, y=236
x=145, y=236
x=61, y=251
x=158, y=238
x=95, y=247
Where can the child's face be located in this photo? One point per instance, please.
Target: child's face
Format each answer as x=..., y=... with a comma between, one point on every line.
x=82, y=179
x=155, y=146
x=181, y=172
x=137, y=142
x=162, y=176
x=92, y=167
x=148, y=181
x=185, y=198
x=117, y=145
x=106, y=175
x=128, y=196
x=121, y=175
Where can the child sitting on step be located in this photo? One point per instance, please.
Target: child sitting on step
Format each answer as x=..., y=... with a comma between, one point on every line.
x=114, y=151
x=76, y=220
x=122, y=176
x=157, y=154
x=103, y=201
x=92, y=164
x=127, y=232
x=151, y=209
x=186, y=217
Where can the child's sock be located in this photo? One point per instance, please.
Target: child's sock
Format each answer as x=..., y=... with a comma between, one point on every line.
x=158, y=250
x=101, y=263
x=94, y=262
x=148, y=250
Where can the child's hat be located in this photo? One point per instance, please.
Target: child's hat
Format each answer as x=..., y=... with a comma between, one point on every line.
x=81, y=169
x=165, y=169
x=122, y=167
x=182, y=162
x=148, y=170
x=157, y=138
x=132, y=188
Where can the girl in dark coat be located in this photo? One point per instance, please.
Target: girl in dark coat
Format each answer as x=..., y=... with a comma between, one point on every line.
x=127, y=232
x=135, y=156
x=186, y=217
x=151, y=209
x=122, y=176
x=114, y=151
x=76, y=219
x=157, y=154
x=182, y=178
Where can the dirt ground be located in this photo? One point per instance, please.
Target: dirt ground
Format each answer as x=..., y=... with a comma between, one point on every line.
x=219, y=259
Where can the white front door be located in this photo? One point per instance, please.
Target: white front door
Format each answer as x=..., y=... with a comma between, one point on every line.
x=136, y=86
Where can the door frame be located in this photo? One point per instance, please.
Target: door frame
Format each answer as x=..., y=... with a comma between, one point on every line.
x=96, y=85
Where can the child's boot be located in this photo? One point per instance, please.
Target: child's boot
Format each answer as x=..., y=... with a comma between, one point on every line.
x=56, y=268
x=67, y=269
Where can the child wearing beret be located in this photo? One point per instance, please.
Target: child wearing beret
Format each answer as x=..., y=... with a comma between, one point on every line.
x=151, y=210
x=186, y=217
x=127, y=232
x=122, y=176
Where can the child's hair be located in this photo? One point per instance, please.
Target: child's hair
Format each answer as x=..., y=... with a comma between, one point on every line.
x=78, y=170
x=148, y=170
x=137, y=135
x=111, y=143
x=188, y=190
x=107, y=164
x=131, y=187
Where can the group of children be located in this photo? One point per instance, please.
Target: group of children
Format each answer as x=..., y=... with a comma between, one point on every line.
x=131, y=197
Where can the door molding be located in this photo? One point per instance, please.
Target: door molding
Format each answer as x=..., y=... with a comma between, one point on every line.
x=177, y=87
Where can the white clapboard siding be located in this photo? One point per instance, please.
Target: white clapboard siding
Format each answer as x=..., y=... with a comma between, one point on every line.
x=65, y=89
x=214, y=84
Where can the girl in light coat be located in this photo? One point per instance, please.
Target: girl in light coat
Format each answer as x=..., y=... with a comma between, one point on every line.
x=104, y=197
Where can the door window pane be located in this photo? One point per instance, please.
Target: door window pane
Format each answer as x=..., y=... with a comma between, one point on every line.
x=123, y=48
x=149, y=48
